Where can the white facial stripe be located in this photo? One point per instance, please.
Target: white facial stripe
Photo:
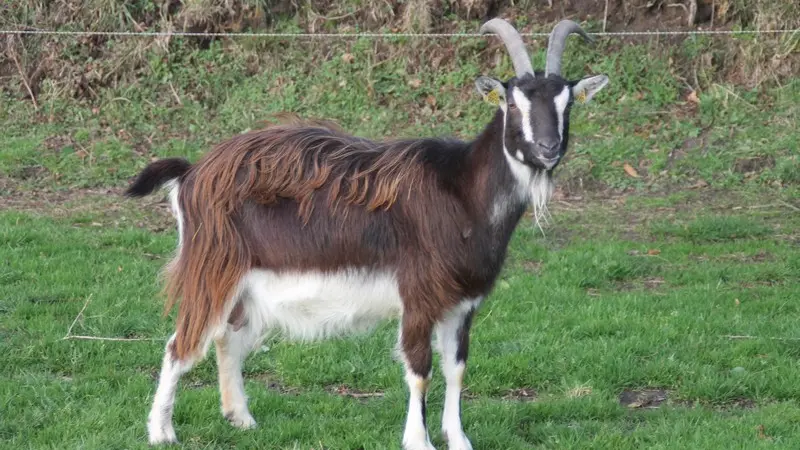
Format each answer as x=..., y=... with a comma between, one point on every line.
x=524, y=106
x=504, y=107
x=561, y=101
x=520, y=156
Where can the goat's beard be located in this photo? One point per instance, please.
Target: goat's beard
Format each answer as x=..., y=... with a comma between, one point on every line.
x=541, y=190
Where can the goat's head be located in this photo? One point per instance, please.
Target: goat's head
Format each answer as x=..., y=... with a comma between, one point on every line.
x=536, y=106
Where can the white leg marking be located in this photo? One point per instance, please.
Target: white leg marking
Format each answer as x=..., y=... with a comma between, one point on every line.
x=448, y=333
x=232, y=349
x=415, y=436
x=561, y=101
x=159, y=422
x=451, y=419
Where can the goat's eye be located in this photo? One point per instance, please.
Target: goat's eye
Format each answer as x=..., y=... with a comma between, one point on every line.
x=512, y=106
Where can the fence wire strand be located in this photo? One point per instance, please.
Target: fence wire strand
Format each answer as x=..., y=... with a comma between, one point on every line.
x=368, y=35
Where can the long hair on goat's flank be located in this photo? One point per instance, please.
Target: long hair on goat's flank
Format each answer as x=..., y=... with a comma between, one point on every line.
x=289, y=161
x=295, y=160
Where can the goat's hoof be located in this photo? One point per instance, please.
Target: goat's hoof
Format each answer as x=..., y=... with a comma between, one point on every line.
x=425, y=445
x=242, y=420
x=457, y=440
x=162, y=435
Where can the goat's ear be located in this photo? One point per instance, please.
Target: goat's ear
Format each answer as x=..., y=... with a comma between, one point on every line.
x=492, y=90
x=584, y=90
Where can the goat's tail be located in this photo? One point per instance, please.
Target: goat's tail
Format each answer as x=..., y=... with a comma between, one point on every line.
x=156, y=175
x=213, y=257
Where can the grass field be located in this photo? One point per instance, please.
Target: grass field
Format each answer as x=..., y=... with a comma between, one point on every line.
x=659, y=310
x=615, y=331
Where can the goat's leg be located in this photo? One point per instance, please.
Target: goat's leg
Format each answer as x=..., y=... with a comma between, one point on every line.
x=453, y=344
x=232, y=349
x=159, y=422
x=415, y=344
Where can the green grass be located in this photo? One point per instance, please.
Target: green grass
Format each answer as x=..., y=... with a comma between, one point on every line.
x=617, y=297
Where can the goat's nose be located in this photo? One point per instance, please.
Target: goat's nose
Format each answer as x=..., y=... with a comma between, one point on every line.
x=548, y=146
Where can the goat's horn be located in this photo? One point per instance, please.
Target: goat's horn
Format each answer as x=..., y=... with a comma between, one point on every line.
x=558, y=39
x=513, y=42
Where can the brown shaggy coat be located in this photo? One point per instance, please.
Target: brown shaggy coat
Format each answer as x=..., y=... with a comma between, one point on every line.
x=335, y=201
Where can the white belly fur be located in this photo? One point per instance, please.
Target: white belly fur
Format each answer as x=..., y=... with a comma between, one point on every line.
x=316, y=305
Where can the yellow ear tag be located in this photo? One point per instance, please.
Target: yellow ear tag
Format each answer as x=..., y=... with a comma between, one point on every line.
x=582, y=97
x=493, y=97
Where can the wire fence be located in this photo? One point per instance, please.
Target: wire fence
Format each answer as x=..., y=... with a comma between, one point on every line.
x=368, y=35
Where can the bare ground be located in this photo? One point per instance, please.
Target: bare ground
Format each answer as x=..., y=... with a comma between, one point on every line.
x=105, y=206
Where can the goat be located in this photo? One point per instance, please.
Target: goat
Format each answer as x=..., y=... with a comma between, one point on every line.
x=305, y=230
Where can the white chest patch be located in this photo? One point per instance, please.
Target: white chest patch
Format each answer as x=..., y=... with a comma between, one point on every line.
x=314, y=305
